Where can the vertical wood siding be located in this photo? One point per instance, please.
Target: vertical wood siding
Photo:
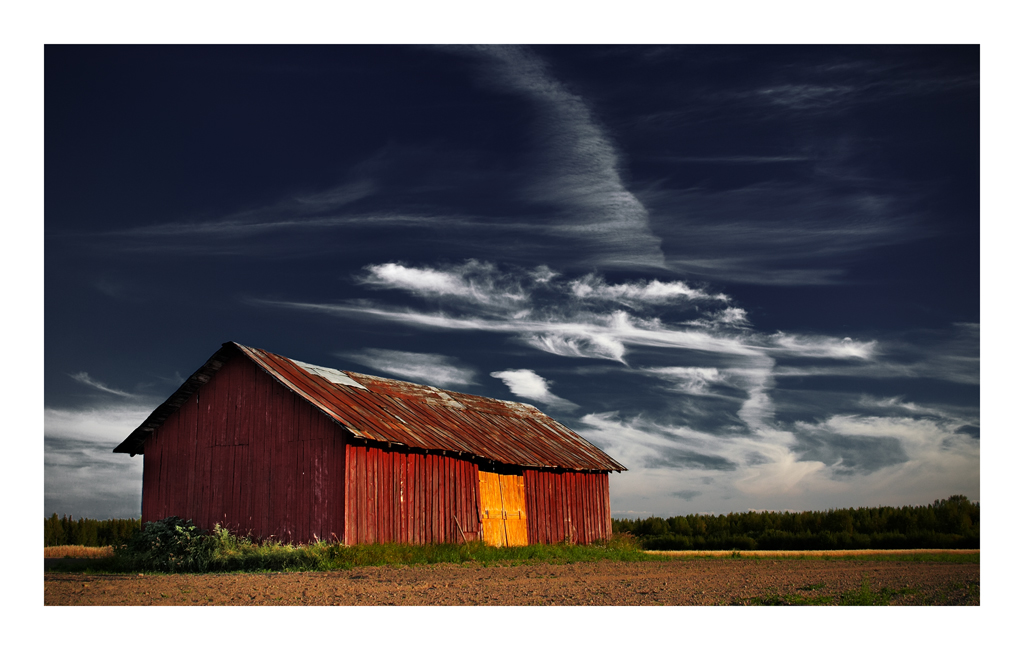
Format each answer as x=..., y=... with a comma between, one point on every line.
x=248, y=454
x=567, y=506
x=409, y=496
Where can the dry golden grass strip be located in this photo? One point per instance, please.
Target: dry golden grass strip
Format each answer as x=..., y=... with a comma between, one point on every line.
x=913, y=551
x=77, y=551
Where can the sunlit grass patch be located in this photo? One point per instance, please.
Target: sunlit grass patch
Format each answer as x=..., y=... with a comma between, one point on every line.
x=969, y=556
x=77, y=551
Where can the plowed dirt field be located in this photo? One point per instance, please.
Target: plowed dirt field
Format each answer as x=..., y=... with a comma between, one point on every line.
x=684, y=581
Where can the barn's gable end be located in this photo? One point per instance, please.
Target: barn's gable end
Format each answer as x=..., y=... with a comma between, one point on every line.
x=244, y=452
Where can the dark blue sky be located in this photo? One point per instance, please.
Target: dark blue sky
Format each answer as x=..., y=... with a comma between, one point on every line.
x=750, y=274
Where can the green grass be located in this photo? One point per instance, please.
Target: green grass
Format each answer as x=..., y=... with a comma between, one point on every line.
x=334, y=557
x=944, y=558
x=236, y=554
x=175, y=545
x=864, y=596
x=222, y=552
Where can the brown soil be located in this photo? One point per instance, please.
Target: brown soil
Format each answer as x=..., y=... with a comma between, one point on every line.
x=695, y=581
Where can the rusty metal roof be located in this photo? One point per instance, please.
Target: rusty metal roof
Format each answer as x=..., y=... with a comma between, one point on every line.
x=403, y=413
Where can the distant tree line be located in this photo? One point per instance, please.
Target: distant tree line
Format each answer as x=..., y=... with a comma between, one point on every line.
x=65, y=531
x=948, y=523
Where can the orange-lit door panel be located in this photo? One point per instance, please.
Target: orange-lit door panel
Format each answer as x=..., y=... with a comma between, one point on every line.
x=503, y=509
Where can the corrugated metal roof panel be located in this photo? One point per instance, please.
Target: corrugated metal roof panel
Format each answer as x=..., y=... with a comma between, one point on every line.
x=403, y=413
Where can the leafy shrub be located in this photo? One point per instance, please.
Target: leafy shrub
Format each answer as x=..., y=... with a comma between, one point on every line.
x=170, y=545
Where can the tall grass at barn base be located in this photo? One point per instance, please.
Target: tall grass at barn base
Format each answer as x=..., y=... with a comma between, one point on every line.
x=174, y=545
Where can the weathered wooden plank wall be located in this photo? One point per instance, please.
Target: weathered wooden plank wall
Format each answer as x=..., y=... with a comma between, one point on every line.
x=248, y=454
x=567, y=506
x=245, y=452
x=403, y=495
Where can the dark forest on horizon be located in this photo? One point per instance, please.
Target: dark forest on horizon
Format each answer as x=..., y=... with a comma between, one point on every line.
x=947, y=523
x=67, y=531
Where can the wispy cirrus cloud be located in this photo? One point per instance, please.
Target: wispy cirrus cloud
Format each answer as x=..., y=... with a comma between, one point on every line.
x=527, y=384
x=569, y=196
x=860, y=84
x=809, y=346
x=102, y=423
x=951, y=356
x=590, y=318
x=302, y=211
x=777, y=233
x=728, y=317
x=827, y=88
x=599, y=336
x=84, y=378
x=572, y=317
x=734, y=159
x=578, y=167
x=422, y=367
x=641, y=292
x=753, y=381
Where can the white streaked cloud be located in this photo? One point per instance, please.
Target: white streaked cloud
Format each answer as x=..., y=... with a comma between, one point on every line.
x=303, y=211
x=821, y=346
x=781, y=233
x=84, y=378
x=431, y=369
x=742, y=160
x=529, y=385
x=728, y=317
x=863, y=86
x=106, y=424
x=753, y=378
x=899, y=405
x=557, y=316
x=946, y=356
x=578, y=167
x=642, y=292
x=693, y=381
x=588, y=345
x=599, y=336
x=474, y=281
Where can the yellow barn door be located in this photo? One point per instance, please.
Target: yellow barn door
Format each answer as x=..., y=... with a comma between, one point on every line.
x=503, y=509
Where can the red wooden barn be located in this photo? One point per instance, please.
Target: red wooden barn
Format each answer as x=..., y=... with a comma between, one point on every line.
x=273, y=447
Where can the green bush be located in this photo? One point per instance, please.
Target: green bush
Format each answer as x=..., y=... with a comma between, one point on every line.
x=170, y=545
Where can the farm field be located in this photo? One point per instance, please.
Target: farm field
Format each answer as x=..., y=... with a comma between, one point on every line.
x=700, y=580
